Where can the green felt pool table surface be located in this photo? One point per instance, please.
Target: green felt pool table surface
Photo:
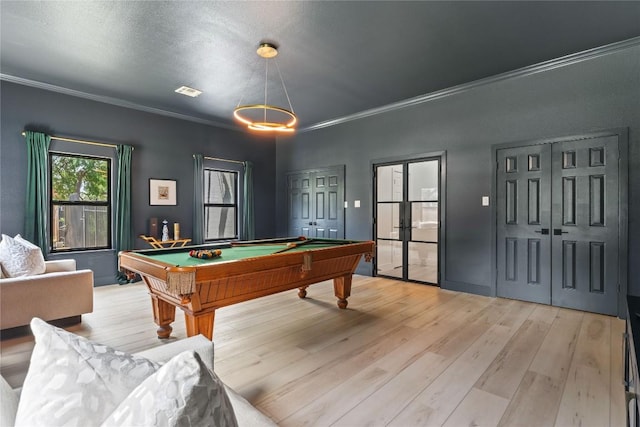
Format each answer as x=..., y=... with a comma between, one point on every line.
x=183, y=259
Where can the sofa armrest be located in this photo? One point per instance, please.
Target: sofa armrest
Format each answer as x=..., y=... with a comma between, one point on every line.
x=54, y=266
x=49, y=296
x=164, y=352
x=8, y=403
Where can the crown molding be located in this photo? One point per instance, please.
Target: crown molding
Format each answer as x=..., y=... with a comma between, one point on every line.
x=112, y=101
x=563, y=61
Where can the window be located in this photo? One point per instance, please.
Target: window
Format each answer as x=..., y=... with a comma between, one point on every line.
x=80, y=201
x=220, y=204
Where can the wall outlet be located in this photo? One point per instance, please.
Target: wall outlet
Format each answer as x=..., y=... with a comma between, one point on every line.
x=356, y=203
x=485, y=200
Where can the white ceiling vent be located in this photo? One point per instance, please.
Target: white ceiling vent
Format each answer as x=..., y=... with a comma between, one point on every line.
x=189, y=91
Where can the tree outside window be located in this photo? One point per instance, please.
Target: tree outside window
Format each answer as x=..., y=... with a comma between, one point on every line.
x=80, y=202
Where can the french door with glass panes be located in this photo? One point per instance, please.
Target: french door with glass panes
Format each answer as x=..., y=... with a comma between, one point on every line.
x=407, y=220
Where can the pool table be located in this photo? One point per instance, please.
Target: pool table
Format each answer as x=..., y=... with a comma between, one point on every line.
x=244, y=271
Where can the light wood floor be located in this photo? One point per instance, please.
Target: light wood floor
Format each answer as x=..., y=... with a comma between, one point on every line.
x=402, y=354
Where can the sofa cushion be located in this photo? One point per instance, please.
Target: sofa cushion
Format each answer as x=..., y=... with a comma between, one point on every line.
x=246, y=413
x=20, y=257
x=73, y=381
x=8, y=404
x=182, y=392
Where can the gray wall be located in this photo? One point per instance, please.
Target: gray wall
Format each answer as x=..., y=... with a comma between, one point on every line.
x=163, y=149
x=596, y=94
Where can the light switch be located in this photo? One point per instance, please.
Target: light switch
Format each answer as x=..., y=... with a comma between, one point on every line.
x=356, y=203
x=485, y=200
x=346, y=204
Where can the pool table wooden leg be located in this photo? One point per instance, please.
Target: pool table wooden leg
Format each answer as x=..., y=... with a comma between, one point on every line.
x=342, y=289
x=302, y=292
x=200, y=324
x=164, y=314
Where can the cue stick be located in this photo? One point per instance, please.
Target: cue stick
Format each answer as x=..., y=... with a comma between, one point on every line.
x=268, y=241
x=316, y=240
x=295, y=245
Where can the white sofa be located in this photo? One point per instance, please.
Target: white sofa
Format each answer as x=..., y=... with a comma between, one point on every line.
x=246, y=414
x=61, y=292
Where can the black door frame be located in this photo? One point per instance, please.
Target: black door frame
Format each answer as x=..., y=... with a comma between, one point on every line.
x=442, y=156
x=623, y=200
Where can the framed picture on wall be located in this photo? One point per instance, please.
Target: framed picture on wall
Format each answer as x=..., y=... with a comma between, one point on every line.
x=162, y=192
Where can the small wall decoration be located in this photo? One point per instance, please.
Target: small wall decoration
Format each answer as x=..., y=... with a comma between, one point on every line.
x=162, y=192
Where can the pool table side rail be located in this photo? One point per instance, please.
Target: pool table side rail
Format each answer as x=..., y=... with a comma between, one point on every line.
x=220, y=269
x=217, y=293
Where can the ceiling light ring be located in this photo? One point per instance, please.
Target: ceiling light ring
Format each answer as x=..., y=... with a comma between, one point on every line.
x=268, y=51
x=265, y=125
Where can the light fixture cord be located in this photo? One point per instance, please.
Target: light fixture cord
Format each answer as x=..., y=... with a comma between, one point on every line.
x=266, y=80
x=284, y=87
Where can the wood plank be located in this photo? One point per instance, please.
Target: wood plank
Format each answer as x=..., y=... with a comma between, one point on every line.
x=379, y=409
x=478, y=408
x=504, y=374
x=586, y=401
x=535, y=402
x=554, y=357
x=544, y=381
x=618, y=410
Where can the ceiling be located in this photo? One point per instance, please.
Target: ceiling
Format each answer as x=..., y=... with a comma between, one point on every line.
x=337, y=59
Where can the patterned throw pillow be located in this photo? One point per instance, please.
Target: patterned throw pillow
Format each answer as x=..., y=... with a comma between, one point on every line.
x=72, y=381
x=20, y=257
x=182, y=393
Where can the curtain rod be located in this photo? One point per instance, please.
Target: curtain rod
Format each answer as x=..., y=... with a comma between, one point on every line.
x=82, y=141
x=220, y=160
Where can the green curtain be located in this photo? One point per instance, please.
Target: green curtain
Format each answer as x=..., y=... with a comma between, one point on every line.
x=248, y=231
x=124, y=234
x=197, y=237
x=35, y=216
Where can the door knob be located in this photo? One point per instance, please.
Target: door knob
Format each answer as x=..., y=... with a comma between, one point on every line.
x=559, y=232
x=543, y=231
x=310, y=223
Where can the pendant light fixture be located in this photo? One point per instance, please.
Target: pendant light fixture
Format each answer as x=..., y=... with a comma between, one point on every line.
x=266, y=117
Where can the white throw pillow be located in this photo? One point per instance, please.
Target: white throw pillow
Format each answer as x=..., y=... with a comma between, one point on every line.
x=181, y=393
x=20, y=257
x=72, y=381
